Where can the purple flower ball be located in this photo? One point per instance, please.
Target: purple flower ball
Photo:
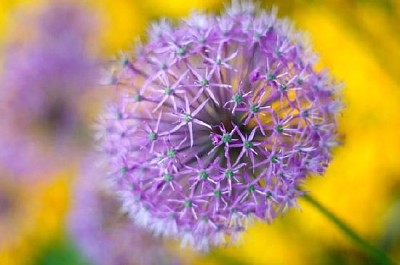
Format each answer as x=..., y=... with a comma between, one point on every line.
x=218, y=120
x=48, y=73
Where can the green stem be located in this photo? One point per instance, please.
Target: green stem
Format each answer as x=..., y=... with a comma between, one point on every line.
x=377, y=254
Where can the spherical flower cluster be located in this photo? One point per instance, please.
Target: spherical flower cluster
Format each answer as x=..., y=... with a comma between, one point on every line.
x=103, y=233
x=47, y=73
x=218, y=120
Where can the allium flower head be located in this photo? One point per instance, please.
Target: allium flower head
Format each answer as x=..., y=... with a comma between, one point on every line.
x=218, y=121
x=47, y=74
x=104, y=234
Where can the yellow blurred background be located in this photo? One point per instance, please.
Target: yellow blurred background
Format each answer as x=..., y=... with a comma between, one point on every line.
x=359, y=42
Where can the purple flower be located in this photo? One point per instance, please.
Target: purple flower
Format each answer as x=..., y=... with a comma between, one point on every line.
x=219, y=120
x=47, y=75
x=103, y=233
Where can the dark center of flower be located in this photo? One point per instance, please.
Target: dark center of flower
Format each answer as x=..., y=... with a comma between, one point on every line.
x=229, y=173
x=248, y=144
x=168, y=91
x=255, y=108
x=188, y=118
x=119, y=115
x=282, y=87
x=204, y=82
x=305, y=113
x=203, y=175
x=226, y=138
x=137, y=97
x=56, y=115
x=188, y=203
x=123, y=170
x=271, y=77
x=124, y=61
x=218, y=193
x=171, y=153
x=168, y=177
x=258, y=35
x=181, y=51
x=251, y=188
x=152, y=136
x=237, y=98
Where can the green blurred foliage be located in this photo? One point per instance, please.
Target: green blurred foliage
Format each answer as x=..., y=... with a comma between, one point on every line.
x=60, y=252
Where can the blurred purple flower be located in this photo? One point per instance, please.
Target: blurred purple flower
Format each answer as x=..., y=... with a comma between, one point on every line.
x=46, y=76
x=219, y=120
x=103, y=233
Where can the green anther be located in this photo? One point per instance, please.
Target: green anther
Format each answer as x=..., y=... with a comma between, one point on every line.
x=268, y=195
x=237, y=98
x=188, y=118
x=204, y=218
x=305, y=113
x=219, y=61
x=168, y=90
x=300, y=81
x=124, y=61
x=168, y=177
x=255, y=108
x=279, y=128
x=137, y=97
x=152, y=136
x=271, y=77
x=203, y=175
x=181, y=51
x=204, y=82
x=248, y=144
x=283, y=87
x=258, y=35
x=229, y=173
x=124, y=170
x=171, y=153
x=188, y=203
x=278, y=53
x=218, y=193
x=226, y=138
x=119, y=116
x=251, y=188
x=274, y=159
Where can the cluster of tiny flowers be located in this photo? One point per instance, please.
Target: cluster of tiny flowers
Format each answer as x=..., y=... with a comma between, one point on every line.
x=218, y=121
x=45, y=75
x=103, y=234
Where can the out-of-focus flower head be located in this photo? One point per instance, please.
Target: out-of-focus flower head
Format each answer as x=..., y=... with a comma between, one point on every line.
x=47, y=74
x=218, y=121
x=103, y=233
